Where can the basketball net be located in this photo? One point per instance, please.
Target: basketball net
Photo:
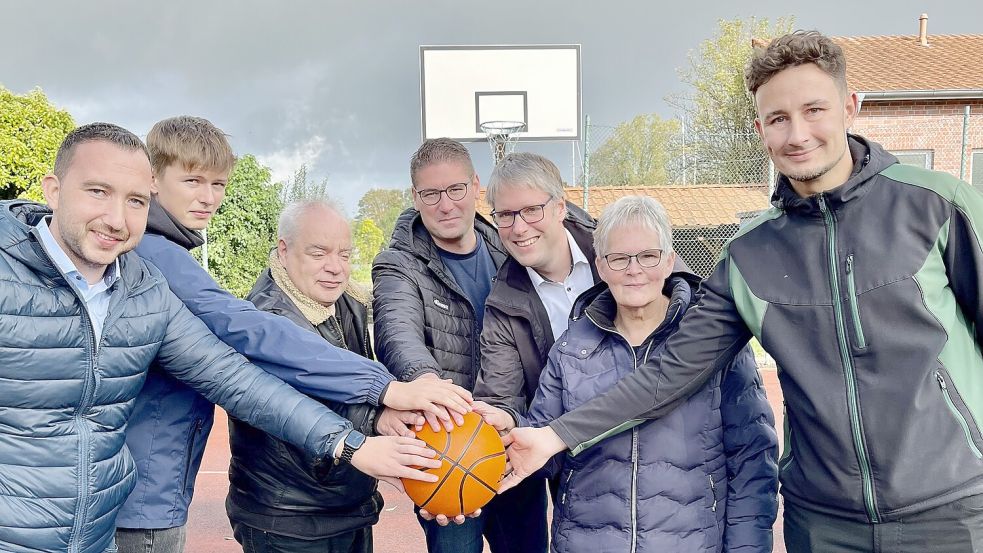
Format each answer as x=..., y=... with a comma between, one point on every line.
x=501, y=137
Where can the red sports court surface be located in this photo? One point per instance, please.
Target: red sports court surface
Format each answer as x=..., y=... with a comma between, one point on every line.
x=397, y=530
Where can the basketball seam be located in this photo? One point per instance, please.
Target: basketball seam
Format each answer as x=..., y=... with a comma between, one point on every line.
x=454, y=464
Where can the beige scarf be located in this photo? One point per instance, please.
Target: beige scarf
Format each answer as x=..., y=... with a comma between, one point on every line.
x=313, y=311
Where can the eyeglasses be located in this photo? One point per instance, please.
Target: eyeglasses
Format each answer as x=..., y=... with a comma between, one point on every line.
x=455, y=192
x=621, y=261
x=529, y=214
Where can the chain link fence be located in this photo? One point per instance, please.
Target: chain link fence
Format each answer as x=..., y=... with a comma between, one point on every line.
x=711, y=184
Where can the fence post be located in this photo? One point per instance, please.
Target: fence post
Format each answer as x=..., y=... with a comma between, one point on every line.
x=586, y=183
x=965, y=143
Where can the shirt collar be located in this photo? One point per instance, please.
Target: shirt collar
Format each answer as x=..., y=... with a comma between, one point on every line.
x=61, y=259
x=576, y=255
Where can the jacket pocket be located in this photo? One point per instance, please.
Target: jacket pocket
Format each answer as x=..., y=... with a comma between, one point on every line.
x=188, y=455
x=960, y=411
x=786, y=458
x=858, y=327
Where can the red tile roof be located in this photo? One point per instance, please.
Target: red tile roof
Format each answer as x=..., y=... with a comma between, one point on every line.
x=688, y=206
x=901, y=63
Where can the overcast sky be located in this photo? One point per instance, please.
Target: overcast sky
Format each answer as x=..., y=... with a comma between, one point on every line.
x=336, y=84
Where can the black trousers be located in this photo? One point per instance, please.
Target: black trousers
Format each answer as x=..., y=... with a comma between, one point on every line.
x=953, y=528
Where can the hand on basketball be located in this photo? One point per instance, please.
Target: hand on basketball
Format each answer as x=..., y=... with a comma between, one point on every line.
x=390, y=458
x=498, y=418
x=442, y=402
x=391, y=422
x=528, y=449
x=442, y=520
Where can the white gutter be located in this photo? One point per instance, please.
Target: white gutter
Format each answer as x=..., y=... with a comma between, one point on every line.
x=957, y=94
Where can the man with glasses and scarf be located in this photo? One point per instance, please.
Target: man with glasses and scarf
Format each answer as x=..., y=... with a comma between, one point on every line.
x=430, y=287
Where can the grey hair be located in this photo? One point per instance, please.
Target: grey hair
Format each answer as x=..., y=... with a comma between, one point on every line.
x=636, y=212
x=286, y=228
x=525, y=169
x=95, y=132
x=439, y=150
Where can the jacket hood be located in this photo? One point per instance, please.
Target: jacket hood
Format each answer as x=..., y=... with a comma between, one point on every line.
x=410, y=235
x=159, y=221
x=869, y=159
x=599, y=305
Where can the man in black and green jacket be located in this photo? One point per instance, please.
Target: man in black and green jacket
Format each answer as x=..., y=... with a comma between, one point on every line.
x=863, y=283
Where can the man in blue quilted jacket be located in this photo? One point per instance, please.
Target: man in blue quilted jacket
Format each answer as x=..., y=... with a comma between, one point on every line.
x=81, y=319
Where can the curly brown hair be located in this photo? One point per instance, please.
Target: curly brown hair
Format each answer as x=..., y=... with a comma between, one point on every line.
x=792, y=50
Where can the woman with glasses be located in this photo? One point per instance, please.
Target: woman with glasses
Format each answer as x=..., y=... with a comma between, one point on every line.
x=702, y=479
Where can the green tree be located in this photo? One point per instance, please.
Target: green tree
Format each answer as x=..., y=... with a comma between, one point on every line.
x=31, y=129
x=719, y=144
x=301, y=187
x=638, y=153
x=243, y=231
x=382, y=206
x=367, y=241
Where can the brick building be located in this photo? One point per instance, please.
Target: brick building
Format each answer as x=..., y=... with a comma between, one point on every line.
x=915, y=90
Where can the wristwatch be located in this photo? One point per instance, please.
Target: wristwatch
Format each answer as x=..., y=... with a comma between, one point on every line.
x=353, y=441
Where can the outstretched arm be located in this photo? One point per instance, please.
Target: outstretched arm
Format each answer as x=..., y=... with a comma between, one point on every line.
x=709, y=336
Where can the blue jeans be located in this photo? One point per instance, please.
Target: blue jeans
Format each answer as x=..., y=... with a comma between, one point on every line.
x=514, y=522
x=257, y=541
x=151, y=540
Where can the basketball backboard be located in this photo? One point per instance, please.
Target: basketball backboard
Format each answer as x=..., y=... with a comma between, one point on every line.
x=462, y=87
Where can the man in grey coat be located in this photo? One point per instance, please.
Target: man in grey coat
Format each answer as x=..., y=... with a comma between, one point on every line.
x=81, y=319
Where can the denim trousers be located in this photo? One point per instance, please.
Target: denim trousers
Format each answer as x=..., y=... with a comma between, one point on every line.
x=151, y=540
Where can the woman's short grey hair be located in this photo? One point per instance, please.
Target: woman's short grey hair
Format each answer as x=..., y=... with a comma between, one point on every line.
x=525, y=169
x=289, y=222
x=634, y=212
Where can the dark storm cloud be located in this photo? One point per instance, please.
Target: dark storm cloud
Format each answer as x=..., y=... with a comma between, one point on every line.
x=335, y=84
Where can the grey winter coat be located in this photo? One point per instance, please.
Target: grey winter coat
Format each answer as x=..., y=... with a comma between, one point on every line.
x=64, y=470
x=423, y=320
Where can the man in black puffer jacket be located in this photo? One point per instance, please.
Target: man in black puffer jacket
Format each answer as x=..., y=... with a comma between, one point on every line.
x=277, y=501
x=430, y=287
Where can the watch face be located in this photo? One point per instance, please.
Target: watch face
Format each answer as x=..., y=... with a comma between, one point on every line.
x=354, y=439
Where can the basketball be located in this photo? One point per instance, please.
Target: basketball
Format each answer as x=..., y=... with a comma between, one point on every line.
x=472, y=465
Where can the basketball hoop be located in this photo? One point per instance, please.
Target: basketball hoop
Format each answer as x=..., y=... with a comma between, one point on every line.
x=501, y=136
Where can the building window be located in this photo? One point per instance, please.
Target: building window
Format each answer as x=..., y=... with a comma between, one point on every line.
x=918, y=158
x=976, y=167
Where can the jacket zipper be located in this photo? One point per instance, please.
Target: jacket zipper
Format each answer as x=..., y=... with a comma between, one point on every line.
x=713, y=493
x=854, y=307
x=195, y=429
x=958, y=414
x=81, y=510
x=566, y=487
x=634, y=438
x=634, y=463
x=851, y=383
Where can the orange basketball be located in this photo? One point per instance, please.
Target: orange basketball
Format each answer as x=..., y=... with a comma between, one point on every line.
x=472, y=464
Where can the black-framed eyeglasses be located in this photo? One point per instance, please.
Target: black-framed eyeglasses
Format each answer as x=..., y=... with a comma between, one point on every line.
x=645, y=258
x=455, y=192
x=529, y=214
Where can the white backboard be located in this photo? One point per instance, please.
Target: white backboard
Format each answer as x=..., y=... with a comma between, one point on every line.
x=464, y=86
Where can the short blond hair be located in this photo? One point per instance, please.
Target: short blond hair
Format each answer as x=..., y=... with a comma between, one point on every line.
x=191, y=142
